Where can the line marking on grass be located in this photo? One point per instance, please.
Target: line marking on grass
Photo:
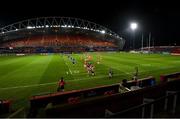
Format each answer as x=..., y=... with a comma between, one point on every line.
x=67, y=65
x=28, y=86
x=52, y=83
x=89, y=78
x=68, y=68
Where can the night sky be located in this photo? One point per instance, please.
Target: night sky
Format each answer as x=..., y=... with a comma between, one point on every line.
x=160, y=18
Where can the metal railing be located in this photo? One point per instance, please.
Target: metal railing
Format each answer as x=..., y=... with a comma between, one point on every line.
x=147, y=109
x=20, y=113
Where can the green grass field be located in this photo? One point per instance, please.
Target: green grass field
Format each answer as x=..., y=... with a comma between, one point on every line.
x=24, y=76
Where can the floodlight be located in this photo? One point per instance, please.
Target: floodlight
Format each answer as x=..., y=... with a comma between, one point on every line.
x=103, y=31
x=133, y=26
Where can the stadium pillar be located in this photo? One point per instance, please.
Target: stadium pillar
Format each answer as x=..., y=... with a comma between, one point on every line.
x=133, y=40
x=149, y=41
x=142, y=43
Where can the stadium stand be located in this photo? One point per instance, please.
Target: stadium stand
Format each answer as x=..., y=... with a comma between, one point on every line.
x=145, y=82
x=176, y=51
x=58, y=43
x=44, y=41
x=116, y=103
x=173, y=50
x=79, y=96
x=62, y=97
x=71, y=35
x=71, y=97
x=167, y=77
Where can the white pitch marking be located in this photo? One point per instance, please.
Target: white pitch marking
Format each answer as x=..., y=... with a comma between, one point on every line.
x=28, y=86
x=68, y=68
x=74, y=80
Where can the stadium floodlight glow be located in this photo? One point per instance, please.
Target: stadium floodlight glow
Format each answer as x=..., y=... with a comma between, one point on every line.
x=133, y=26
x=30, y=27
x=38, y=26
x=103, y=31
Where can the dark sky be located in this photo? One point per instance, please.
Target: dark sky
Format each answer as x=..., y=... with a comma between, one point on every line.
x=160, y=18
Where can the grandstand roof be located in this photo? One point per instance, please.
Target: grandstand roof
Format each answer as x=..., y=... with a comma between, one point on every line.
x=56, y=22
